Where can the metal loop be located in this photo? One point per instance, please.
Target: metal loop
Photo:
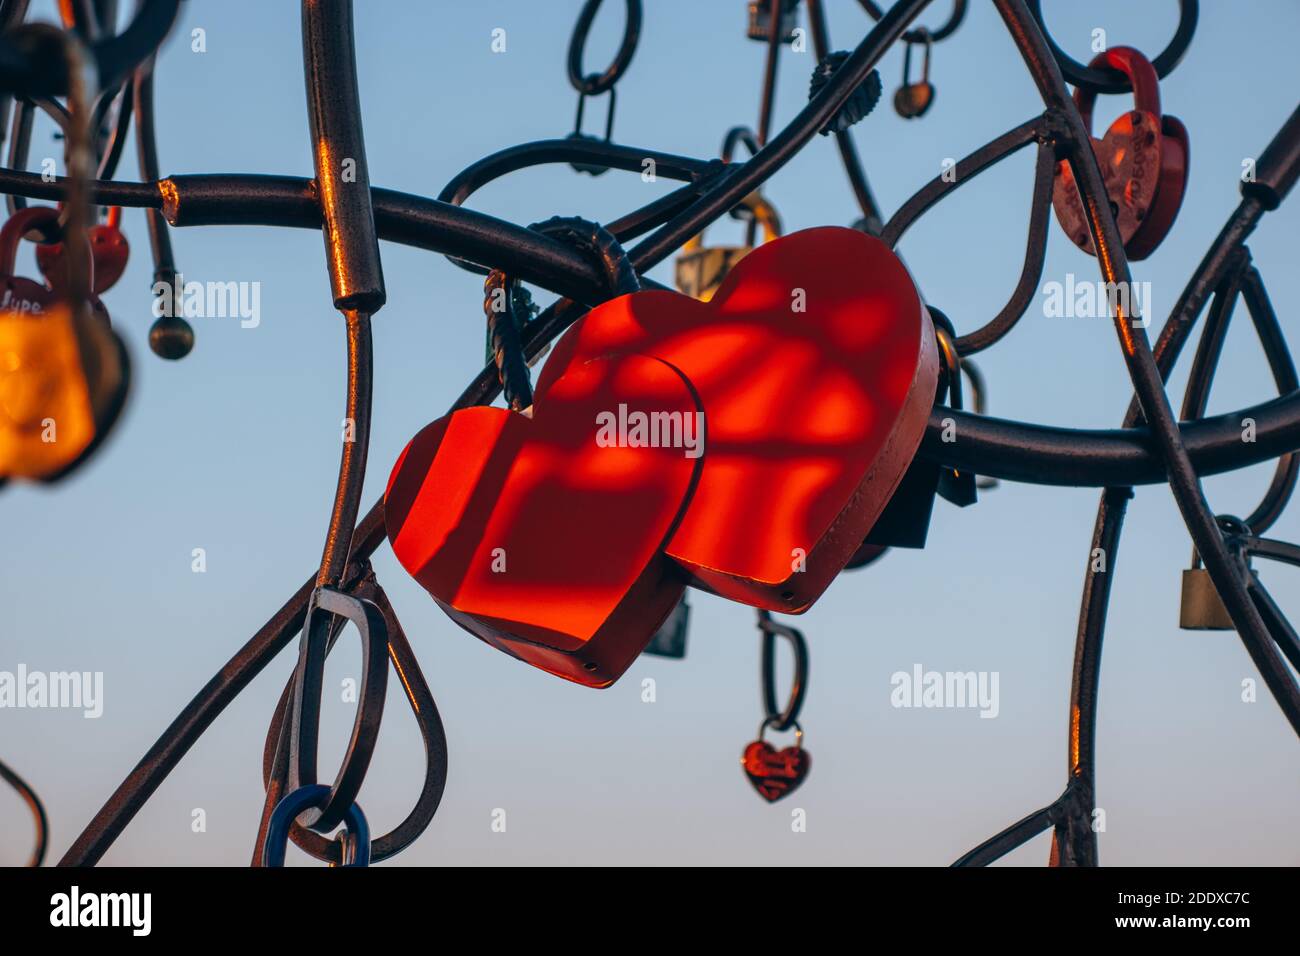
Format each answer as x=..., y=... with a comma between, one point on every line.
x=38, y=813
x=593, y=83
x=1094, y=80
x=920, y=33
x=305, y=720
x=425, y=710
x=302, y=800
x=781, y=720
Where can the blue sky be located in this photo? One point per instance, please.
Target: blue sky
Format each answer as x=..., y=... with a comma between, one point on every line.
x=235, y=449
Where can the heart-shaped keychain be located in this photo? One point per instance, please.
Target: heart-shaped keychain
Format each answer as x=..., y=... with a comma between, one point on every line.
x=544, y=535
x=816, y=367
x=776, y=773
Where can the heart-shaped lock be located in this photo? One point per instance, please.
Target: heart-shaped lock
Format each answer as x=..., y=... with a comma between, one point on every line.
x=1143, y=160
x=109, y=251
x=776, y=773
x=544, y=535
x=816, y=367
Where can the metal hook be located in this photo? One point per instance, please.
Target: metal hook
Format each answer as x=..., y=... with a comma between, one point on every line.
x=781, y=720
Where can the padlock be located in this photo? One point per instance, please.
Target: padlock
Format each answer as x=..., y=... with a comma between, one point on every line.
x=1201, y=608
x=956, y=485
x=760, y=20
x=108, y=247
x=700, y=269
x=670, y=639
x=911, y=100
x=63, y=379
x=1143, y=159
x=19, y=294
x=26, y=295
x=63, y=372
x=905, y=522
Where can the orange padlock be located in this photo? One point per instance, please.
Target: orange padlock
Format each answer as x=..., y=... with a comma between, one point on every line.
x=1143, y=159
x=63, y=372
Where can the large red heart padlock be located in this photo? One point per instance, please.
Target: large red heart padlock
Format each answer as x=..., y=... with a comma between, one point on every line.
x=816, y=366
x=747, y=444
x=1143, y=159
x=544, y=535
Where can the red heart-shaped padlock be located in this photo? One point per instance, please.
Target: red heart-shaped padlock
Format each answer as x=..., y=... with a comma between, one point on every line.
x=775, y=773
x=544, y=536
x=108, y=247
x=816, y=366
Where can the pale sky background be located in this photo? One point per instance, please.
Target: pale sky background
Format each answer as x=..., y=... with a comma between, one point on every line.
x=235, y=450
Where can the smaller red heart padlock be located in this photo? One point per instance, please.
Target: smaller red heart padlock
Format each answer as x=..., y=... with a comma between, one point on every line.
x=776, y=773
x=108, y=248
x=543, y=534
x=1143, y=159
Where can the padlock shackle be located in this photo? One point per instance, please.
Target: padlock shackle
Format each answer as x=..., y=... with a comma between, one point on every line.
x=764, y=214
x=17, y=226
x=1130, y=62
x=907, y=57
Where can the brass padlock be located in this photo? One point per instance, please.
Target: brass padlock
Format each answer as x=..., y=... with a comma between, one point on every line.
x=911, y=100
x=62, y=383
x=700, y=269
x=760, y=20
x=1201, y=608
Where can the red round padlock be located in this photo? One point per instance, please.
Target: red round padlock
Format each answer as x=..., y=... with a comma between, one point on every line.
x=1143, y=159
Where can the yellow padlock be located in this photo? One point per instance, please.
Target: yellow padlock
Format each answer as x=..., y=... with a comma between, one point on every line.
x=62, y=383
x=700, y=269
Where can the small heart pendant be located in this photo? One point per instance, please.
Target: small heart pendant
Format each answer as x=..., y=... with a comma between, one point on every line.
x=775, y=773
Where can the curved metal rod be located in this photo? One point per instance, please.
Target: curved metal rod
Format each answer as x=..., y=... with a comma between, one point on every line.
x=37, y=808
x=919, y=35
x=1035, y=254
x=593, y=153
x=742, y=179
x=425, y=710
x=966, y=169
x=1278, y=625
x=1271, y=338
x=848, y=151
x=1146, y=378
x=1018, y=834
x=1076, y=457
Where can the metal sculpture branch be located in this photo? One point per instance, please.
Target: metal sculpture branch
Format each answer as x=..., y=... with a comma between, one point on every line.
x=1150, y=446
